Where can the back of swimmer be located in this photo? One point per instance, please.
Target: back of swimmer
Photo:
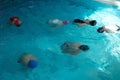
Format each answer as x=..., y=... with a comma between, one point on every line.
x=84, y=22
x=108, y=28
x=57, y=22
x=28, y=60
x=15, y=21
x=73, y=47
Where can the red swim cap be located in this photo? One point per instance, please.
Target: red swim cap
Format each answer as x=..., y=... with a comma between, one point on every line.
x=66, y=22
x=16, y=21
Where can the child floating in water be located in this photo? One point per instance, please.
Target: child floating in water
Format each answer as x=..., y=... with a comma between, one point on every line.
x=28, y=60
x=84, y=22
x=73, y=48
x=16, y=21
x=58, y=22
x=108, y=29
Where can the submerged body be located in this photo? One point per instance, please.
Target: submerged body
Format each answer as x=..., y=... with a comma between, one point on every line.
x=15, y=21
x=57, y=22
x=28, y=60
x=85, y=22
x=73, y=47
x=108, y=28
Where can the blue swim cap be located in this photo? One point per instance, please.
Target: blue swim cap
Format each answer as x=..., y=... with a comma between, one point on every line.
x=32, y=64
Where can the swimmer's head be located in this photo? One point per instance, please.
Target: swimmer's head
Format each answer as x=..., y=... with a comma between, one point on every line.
x=78, y=21
x=93, y=22
x=100, y=30
x=84, y=47
x=18, y=23
x=15, y=20
x=66, y=22
x=32, y=64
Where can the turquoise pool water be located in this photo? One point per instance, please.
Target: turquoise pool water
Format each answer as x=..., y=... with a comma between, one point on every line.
x=101, y=62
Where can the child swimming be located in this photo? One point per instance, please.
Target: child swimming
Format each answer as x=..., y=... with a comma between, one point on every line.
x=73, y=48
x=16, y=21
x=28, y=60
x=84, y=22
x=57, y=22
x=108, y=29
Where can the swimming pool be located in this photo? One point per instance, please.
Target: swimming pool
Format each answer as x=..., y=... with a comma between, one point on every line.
x=101, y=62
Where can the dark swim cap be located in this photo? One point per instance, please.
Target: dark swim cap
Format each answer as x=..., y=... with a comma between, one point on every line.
x=78, y=21
x=100, y=30
x=93, y=22
x=84, y=47
x=32, y=64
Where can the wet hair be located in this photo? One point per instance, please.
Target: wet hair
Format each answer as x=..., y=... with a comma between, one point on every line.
x=84, y=47
x=93, y=22
x=100, y=30
x=78, y=21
